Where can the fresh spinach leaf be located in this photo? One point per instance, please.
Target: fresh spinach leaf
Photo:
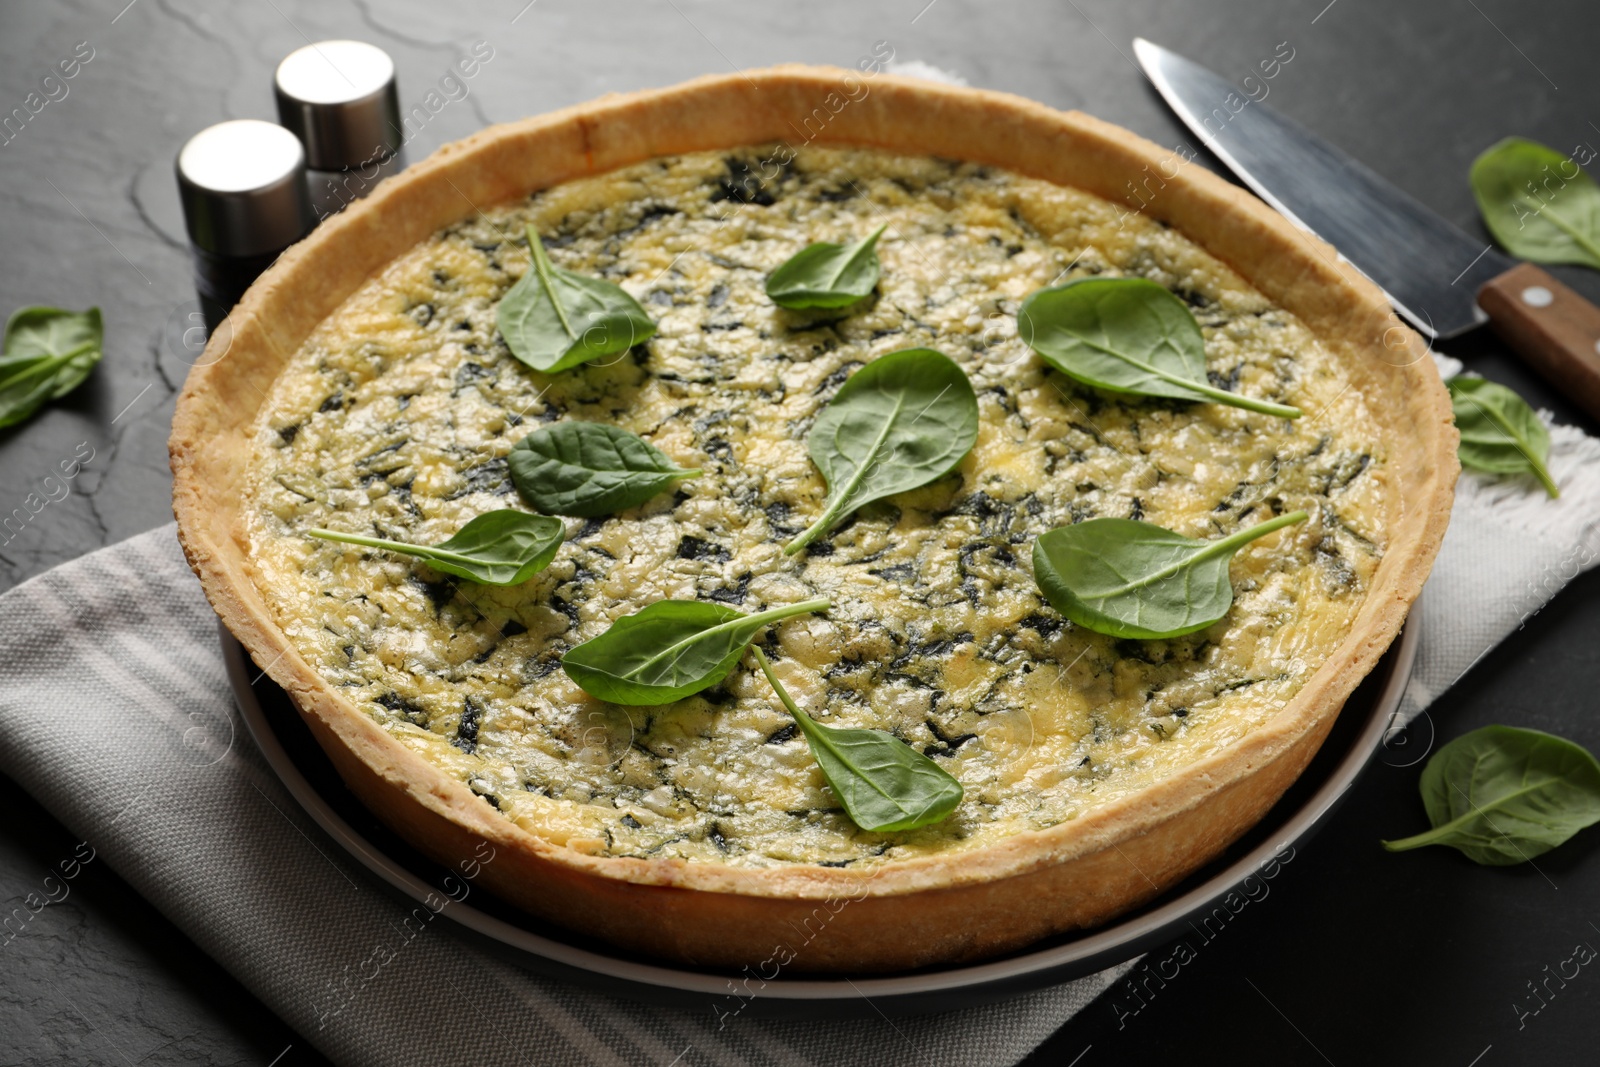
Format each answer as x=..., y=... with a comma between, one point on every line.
x=670, y=650
x=825, y=275
x=899, y=422
x=1503, y=794
x=48, y=353
x=1537, y=203
x=1500, y=433
x=1133, y=579
x=1126, y=335
x=496, y=548
x=882, y=783
x=588, y=469
x=555, y=319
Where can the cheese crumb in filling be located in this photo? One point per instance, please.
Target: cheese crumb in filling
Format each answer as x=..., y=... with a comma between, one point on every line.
x=396, y=416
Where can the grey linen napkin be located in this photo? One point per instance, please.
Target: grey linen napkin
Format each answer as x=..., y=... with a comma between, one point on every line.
x=116, y=714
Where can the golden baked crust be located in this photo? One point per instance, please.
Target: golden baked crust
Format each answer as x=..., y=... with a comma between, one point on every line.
x=909, y=913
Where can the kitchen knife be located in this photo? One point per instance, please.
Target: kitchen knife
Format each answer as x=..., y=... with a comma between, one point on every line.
x=1441, y=280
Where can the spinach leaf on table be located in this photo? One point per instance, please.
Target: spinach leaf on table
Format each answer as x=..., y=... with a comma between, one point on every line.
x=1500, y=433
x=48, y=352
x=1134, y=579
x=882, y=783
x=1126, y=335
x=898, y=423
x=589, y=469
x=1538, y=204
x=504, y=547
x=670, y=650
x=554, y=319
x=1502, y=795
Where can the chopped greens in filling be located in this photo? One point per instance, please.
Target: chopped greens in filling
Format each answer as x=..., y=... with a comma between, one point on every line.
x=396, y=418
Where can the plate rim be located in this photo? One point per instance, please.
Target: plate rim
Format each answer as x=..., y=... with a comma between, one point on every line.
x=1121, y=940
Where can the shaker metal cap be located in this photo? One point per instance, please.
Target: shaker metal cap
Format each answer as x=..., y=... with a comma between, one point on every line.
x=339, y=98
x=243, y=187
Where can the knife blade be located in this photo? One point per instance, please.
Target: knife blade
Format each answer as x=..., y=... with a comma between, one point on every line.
x=1441, y=280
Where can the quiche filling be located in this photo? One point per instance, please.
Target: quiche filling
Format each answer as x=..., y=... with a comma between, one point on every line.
x=395, y=419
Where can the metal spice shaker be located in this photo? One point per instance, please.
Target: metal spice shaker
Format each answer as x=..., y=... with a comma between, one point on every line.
x=339, y=99
x=243, y=188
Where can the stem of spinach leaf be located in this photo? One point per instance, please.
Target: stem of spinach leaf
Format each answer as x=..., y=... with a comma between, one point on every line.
x=1265, y=407
x=1445, y=829
x=1250, y=533
x=404, y=547
x=841, y=499
x=759, y=619
x=808, y=726
x=1534, y=464
x=1220, y=547
x=46, y=366
x=541, y=263
x=1561, y=224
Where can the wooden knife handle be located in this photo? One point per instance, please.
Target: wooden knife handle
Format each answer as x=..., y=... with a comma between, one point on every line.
x=1551, y=327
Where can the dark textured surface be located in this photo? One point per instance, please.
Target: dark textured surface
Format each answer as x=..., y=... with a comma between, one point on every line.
x=1354, y=956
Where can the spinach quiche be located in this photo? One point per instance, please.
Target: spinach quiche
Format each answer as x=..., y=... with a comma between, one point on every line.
x=367, y=386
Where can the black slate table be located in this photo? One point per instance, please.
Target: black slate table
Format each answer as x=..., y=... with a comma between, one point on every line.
x=1355, y=956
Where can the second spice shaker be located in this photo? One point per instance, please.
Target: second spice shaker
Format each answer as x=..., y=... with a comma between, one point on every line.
x=339, y=98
